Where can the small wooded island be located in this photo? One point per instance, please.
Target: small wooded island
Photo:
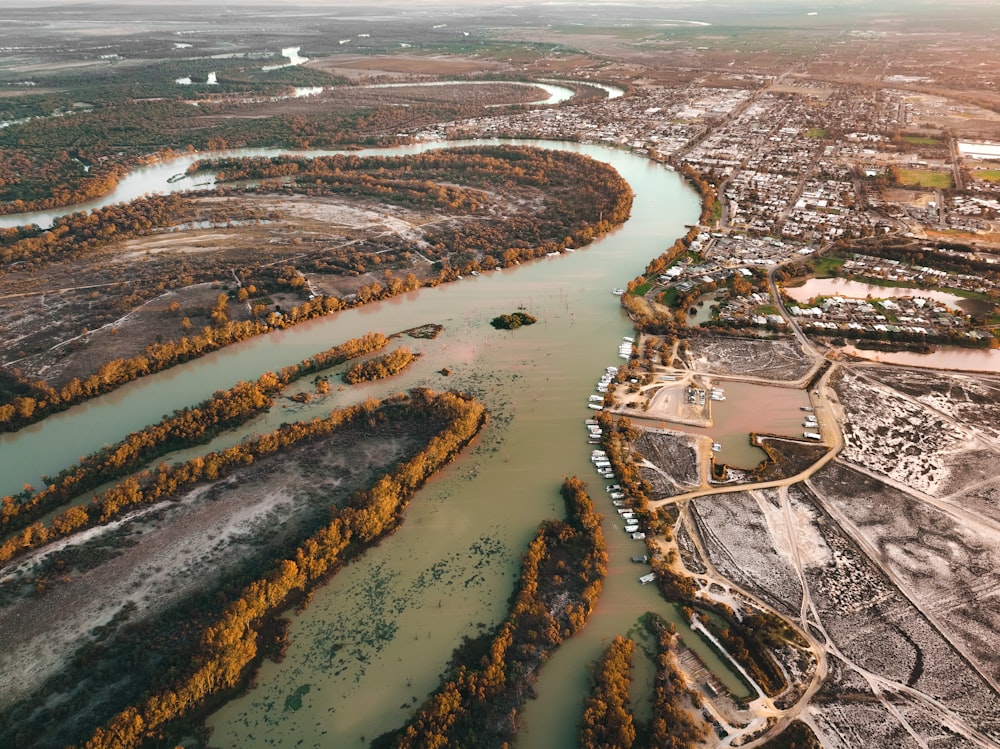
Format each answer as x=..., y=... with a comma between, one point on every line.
x=512, y=321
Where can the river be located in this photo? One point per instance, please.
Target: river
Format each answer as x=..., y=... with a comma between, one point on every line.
x=374, y=642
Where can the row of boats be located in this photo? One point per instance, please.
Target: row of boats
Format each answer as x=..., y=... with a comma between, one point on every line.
x=618, y=498
x=626, y=348
x=601, y=461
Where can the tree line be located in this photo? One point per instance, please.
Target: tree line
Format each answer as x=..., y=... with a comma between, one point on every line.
x=31, y=401
x=561, y=577
x=608, y=720
x=186, y=427
x=380, y=367
x=230, y=647
x=674, y=726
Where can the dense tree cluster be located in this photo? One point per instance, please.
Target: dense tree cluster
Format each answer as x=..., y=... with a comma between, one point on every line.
x=707, y=191
x=189, y=426
x=646, y=318
x=561, y=578
x=607, y=716
x=76, y=234
x=674, y=725
x=380, y=367
x=512, y=321
x=230, y=646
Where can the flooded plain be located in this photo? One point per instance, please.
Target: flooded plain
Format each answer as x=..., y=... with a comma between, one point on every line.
x=844, y=287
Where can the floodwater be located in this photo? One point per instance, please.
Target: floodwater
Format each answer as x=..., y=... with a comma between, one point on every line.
x=293, y=57
x=372, y=644
x=703, y=309
x=845, y=287
x=943, y=357
x=740, y=414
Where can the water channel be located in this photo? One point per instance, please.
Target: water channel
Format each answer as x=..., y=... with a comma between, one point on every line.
x=373, y=643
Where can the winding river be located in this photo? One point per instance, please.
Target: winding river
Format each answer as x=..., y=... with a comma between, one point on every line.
x=374, y=642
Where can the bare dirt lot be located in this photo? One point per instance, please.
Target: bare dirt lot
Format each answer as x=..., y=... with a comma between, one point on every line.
x=780, y=360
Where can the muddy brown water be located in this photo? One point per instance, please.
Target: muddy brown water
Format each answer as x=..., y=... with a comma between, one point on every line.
x=943, y=357
x=373, y=643
x=815, y=287
x=743, y=412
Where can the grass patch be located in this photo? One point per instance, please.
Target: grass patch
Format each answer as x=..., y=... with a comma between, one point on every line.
x=921, y=140
x=669, y=297
x=816, y=132
x=924, y=178
x=716, y=213
x=989, y=175
x=766, y=309
x=641, y=289
x=824, y=266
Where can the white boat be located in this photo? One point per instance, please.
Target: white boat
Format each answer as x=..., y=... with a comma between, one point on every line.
x=716, y=447
x=632, y=528
x=647, y=578
x=812, y=436
x=596, y=398
x=617, y=503
x=617, y=495
x=595, y=406
x=618, y=292
x=638, y=536
x=627, y=339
